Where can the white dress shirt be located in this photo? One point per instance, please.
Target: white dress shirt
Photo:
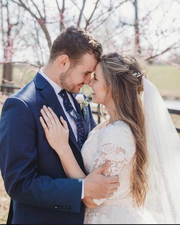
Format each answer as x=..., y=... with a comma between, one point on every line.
x=57, y=89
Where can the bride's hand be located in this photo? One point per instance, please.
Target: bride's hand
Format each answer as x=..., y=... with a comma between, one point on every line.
x=56, y=133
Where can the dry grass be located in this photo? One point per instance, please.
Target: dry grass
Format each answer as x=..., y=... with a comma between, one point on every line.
x=4, y=203
x=176, y=120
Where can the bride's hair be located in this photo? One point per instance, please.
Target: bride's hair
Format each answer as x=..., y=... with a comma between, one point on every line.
x=123, y=77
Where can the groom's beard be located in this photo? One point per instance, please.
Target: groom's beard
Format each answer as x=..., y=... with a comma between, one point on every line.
x=66, y=83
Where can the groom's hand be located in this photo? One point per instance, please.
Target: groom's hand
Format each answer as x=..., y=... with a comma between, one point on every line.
x=97, y=186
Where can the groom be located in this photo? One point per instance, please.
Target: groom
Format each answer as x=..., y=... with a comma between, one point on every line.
x=34, y=177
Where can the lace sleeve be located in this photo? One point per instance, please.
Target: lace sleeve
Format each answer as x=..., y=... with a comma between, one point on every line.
x=115, y=154
x=118, y=148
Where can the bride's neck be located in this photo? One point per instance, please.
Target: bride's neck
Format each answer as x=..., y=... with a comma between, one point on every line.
x=113, y=115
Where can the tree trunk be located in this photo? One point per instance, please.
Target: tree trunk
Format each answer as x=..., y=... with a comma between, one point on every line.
x=7, y=77
x=6, y=38
x=137, y=33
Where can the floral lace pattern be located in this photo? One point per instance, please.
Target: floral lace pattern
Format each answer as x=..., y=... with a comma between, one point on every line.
x=115, y=143
x=115, y=154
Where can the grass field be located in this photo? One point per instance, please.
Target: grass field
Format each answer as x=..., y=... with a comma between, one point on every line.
x=2, y=99
x=167, y=80
x=21, y=75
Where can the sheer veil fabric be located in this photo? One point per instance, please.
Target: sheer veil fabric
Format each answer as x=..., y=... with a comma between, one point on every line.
x=163, y=196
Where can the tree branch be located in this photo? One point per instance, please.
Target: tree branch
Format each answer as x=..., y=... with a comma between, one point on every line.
x=40, y=21
x=44, y=9
x=81, y=12
x=78, y=8
x=61, y=13
x=110, y=10
x=40, y=15
x=2, y=24
x=163, y=52
x=62, y=16
x=92, y=14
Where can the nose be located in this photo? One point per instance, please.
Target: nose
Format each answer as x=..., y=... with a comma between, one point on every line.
x=91, y=83
x=87, y=79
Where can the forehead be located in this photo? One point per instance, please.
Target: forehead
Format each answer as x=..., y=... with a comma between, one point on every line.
x=98, y=70
x=88, y=63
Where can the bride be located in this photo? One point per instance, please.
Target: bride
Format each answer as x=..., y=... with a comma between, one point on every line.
x=140, y=141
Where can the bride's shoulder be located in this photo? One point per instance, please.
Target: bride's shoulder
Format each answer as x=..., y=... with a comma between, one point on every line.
x=119, y=126
x=119, y=134
x=118, y=129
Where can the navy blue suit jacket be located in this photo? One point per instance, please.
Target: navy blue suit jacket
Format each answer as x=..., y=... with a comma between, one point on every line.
x=33, y=175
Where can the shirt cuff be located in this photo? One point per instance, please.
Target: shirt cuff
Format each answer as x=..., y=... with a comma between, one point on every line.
x=82, y=195
x=99, y=201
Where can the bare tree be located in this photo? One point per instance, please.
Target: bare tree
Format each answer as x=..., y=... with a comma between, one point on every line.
x=81, y=12
x=61, y=14
x=8, y=38
x=157, y=41
x=136, y=25
x=41, y=22
x=149, y=34
x=137, y=33
x=38, y=16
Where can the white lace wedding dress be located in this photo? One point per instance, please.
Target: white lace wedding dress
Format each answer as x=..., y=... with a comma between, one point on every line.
x=114, y=142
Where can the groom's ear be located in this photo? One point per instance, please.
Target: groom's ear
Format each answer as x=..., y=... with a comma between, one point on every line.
x=64, y=62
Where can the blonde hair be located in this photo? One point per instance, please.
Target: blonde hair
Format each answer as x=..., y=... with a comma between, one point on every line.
x=120, y=74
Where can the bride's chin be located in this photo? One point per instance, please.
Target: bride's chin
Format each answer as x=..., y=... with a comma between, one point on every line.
x=94, y=101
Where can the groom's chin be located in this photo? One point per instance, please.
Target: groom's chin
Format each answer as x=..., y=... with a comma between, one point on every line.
x=74, y=90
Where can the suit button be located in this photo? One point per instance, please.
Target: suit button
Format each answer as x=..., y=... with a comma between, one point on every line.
x=68, y=208
x=58, y=207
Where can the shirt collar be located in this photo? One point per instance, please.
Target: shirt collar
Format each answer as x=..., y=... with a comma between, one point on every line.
x=55, y=86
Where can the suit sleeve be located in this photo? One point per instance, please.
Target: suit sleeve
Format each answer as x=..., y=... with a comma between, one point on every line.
x=19, y=161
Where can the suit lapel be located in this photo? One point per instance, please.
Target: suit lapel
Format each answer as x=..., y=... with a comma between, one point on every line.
x=50, y=96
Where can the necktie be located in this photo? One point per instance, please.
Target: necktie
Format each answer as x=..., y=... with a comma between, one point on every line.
x=75, y=115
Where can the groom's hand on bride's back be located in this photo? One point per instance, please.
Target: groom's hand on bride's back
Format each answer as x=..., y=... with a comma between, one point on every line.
x=98, y=186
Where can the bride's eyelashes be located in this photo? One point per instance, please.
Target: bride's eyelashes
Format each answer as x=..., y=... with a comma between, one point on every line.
x=95, y=77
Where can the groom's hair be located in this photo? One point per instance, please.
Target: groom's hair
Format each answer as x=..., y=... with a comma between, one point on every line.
x=75, y=42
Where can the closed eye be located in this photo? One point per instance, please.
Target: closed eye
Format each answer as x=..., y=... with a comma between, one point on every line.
x=95, y=77
x=87, y=73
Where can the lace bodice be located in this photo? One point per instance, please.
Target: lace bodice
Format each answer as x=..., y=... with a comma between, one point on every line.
x=115, y=143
